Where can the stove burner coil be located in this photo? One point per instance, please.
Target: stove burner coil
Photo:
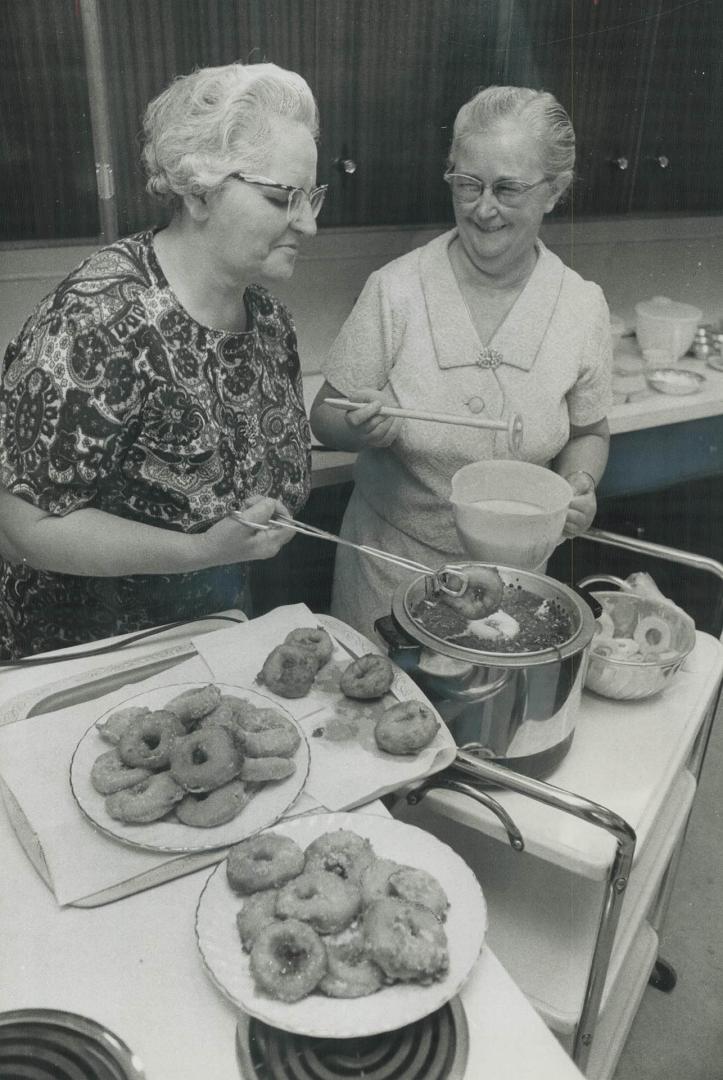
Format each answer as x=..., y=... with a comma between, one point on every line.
x=45, y=1044
x=433, y=1048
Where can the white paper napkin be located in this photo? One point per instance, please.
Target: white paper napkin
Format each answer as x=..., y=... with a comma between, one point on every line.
x=83, y=863
x=85, y=866
x=347, y=769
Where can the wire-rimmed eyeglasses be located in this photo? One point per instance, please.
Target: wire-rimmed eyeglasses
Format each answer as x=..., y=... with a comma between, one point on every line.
x=468, y=189
x=295, y=195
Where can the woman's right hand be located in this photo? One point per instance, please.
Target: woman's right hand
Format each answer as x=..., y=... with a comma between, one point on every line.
x=230, y=541
x=368, y=426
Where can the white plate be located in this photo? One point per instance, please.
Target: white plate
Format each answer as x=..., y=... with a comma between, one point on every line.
x=266, y=807
x=390, y=1008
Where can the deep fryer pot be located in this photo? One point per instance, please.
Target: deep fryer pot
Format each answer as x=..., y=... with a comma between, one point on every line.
x=518, y=709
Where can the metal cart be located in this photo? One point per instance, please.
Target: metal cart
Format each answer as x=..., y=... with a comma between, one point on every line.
x=640, y=855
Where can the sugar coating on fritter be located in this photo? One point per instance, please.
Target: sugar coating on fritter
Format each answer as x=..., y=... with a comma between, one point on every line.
x=148, y=801
x=325, y=901
x=350, y=972
x=147, y=741
x=418, y=887
x=258, y=911
x=341, y=852
x=204, y=759
x=406, y=940
x=109, y=773
x=288, y=960
x=375, y=879
x=194, y=704
x=205, y=810
x=262, y=862
x=117, y=723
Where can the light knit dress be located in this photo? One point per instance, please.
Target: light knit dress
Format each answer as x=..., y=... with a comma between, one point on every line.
x=411, y=336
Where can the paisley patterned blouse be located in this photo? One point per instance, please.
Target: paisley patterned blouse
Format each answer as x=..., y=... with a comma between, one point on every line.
x=113, y=397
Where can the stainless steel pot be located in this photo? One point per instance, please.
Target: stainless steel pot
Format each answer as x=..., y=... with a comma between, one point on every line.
x=518, y=709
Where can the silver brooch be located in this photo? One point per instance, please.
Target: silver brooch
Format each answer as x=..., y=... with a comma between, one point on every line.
x=489, y=358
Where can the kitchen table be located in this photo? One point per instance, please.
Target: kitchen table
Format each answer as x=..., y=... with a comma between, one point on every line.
x=133, y=965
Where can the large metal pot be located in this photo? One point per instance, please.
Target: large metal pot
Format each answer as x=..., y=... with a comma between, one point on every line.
x=518, y=709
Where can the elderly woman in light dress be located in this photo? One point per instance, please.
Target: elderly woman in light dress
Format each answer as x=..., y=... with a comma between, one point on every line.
x=483, y=320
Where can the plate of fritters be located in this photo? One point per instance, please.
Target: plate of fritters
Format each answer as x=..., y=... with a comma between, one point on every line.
x=309, y=956
x=189, y=767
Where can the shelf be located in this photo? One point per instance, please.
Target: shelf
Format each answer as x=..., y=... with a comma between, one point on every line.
x=625, y=756
x=543, y=920
x=615, y=1022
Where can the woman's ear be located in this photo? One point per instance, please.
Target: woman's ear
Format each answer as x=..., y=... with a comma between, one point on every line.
x=558, y=187
x=196, y=206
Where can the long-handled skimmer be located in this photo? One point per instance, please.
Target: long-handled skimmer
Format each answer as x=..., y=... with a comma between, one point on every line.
x=448, y=579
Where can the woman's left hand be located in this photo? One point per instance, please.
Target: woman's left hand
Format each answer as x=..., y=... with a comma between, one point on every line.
x=583, y=505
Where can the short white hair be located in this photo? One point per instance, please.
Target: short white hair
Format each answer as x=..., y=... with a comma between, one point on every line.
x=537, y=110
x=218, y=120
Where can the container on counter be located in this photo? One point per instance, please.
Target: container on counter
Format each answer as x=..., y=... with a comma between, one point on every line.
x=662, y=323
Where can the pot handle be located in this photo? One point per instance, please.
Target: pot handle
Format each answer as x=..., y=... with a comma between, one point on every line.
x=591, y=579
x=404, y=650
x=610, y=579
x=417, y=793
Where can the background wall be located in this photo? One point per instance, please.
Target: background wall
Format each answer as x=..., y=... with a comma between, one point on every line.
x=631, y=259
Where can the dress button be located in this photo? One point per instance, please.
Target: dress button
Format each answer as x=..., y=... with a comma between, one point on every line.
x=476, y=405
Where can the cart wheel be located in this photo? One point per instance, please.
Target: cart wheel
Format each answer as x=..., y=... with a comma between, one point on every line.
x=663, y=976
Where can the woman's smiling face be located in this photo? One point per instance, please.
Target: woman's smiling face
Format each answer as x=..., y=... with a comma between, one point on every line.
x=497, y=237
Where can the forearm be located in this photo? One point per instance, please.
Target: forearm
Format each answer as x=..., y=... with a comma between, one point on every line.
x=91, y=542
x=586, y=451
x=329, y=424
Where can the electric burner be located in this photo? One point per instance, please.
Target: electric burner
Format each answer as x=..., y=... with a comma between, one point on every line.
x=433, y=1048
x=45, y=1044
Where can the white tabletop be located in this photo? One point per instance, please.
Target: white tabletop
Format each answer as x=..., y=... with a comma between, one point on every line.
x=134, y=967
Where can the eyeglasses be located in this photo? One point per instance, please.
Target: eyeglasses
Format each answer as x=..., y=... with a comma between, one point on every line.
x=468, y=189
x=295, y=195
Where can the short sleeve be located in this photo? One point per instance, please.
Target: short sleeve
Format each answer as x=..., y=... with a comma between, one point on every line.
x=590, y=398
x=364, y=349
x=68, y=397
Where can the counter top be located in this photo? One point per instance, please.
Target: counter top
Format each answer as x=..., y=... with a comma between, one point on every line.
x=134, y=965
x=637, y=406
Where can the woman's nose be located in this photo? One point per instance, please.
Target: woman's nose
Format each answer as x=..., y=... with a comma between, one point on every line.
x=486, y=205
x=304, y=222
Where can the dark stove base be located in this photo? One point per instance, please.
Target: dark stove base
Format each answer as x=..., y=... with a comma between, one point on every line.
x=433, y=1048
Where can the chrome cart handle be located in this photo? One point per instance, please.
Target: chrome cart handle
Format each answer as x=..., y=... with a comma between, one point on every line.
x=417, y=793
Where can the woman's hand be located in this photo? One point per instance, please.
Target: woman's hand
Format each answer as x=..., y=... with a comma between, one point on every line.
x=230, y=541
x=368, y=426
x=583, y=505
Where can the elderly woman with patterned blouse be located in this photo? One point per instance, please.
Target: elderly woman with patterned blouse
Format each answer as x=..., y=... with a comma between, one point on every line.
x=158, y=387
x=483, y=320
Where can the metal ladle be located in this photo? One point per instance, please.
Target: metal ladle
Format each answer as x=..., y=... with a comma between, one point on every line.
x=448, y=579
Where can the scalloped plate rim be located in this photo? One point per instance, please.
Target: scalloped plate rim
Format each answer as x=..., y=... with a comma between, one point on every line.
x=420, y=1000
x=300, y=777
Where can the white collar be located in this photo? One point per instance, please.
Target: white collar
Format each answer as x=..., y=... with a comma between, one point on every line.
x=517, y=339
